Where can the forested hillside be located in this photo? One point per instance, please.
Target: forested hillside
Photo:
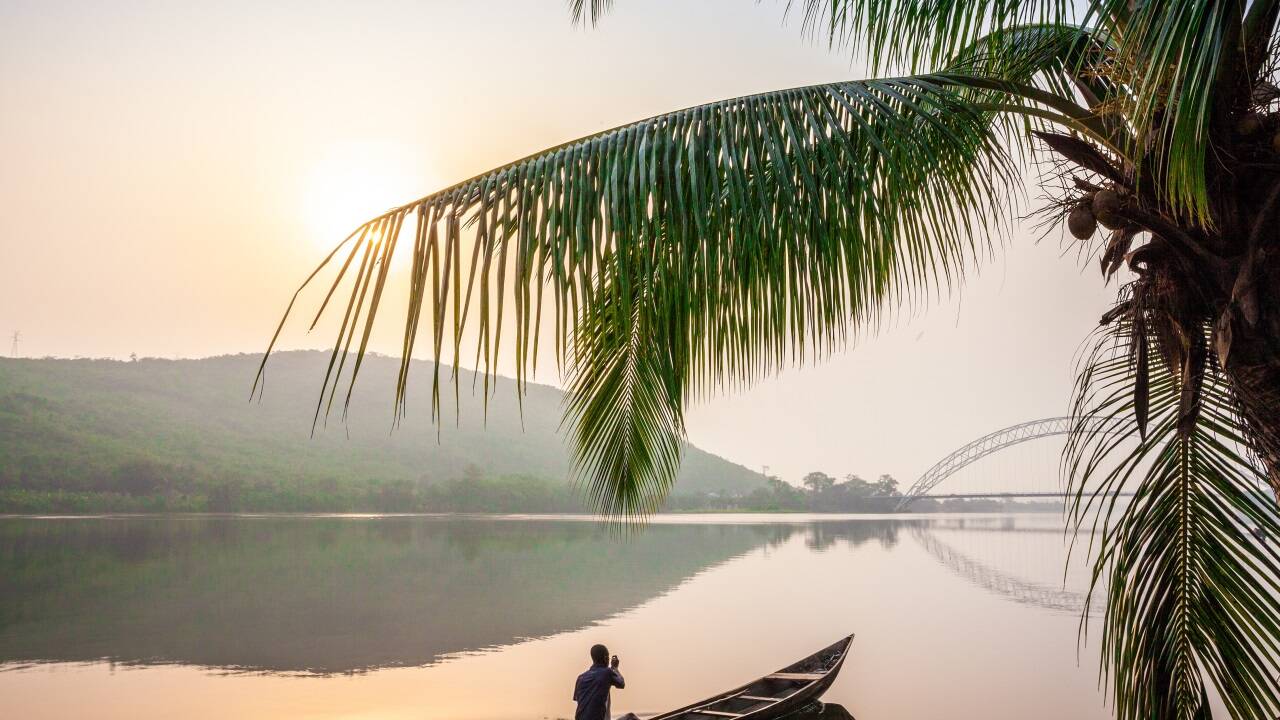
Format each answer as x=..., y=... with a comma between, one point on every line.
x=87, y=435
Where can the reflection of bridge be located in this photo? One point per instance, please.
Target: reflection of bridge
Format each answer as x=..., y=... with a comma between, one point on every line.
x=980, y=448
x=1000, y=582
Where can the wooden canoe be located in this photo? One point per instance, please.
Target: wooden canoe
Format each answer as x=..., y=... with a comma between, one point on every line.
x=773, y=695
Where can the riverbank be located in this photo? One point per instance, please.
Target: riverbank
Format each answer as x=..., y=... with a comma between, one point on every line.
x=547, y=499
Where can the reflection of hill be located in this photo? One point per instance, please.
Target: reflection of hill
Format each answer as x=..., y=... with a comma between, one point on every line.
x=326, y=595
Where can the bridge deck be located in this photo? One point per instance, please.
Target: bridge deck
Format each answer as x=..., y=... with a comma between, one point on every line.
x=975, y=495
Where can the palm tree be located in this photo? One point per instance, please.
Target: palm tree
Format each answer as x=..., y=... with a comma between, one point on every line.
x=704, y=248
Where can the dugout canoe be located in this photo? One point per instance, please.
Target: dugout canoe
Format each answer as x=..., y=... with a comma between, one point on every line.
x=773, y=695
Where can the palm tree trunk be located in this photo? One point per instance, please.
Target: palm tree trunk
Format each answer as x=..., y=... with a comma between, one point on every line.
x=1254, y=373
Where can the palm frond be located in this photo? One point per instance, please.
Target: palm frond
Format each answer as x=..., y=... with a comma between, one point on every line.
x=742, y=235
x=1191, y=590
x=1047, y=71
x=589, y=10
x=771, y=224
x=1178, y=61
x=937, y=31
x=626, y=404
x=1172, y=55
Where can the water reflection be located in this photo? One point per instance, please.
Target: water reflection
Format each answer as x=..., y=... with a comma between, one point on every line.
x=995, y=578
x=334, y=595
x=105, y=612
x=824, y=535
x=325, y=595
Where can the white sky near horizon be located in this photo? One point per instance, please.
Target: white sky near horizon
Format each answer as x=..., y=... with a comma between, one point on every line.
x=169, y=171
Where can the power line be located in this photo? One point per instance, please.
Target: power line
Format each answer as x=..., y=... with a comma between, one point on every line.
x=13, y=350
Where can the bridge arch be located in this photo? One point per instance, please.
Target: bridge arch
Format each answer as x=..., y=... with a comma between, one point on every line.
x=976, y=450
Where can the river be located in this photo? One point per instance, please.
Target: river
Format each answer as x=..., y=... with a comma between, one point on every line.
x=965, y=616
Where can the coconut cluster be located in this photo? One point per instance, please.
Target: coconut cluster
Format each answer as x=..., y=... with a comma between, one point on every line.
x=1257, y=128
x=1257, y=135
x=1100, y=207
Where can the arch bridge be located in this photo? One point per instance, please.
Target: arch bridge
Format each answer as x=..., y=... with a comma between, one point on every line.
x=980, y=448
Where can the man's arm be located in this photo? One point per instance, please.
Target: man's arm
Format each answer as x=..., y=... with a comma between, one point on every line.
x=615, y=677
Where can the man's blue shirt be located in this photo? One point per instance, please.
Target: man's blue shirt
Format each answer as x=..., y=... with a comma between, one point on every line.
x=591, y=692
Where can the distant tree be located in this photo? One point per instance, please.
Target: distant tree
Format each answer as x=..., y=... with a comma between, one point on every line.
x=818, y=482
x=886, y=486
x=856, y=486
x=139, y=477
x=776, y=495
x=225, y=496
x=394, y=496
x=777, y=484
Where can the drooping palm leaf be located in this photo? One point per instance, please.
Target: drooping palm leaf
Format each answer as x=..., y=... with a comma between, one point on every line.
x=626, y=403
x=758, y=230
x=1191, y=579
x=768, y=223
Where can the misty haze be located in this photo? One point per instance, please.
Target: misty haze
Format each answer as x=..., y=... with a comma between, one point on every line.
x=640, y=360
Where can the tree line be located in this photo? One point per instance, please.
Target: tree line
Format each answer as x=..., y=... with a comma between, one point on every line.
x=819, y=492
x=153, y=487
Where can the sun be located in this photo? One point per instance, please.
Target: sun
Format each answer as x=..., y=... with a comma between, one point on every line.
x=353, y=182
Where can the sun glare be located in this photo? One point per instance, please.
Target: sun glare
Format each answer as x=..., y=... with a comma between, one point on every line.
x=353, y=182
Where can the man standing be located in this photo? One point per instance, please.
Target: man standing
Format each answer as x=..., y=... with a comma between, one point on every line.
x=591, y=692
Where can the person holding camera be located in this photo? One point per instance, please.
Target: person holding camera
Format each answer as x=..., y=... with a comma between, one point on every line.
x=591, y=691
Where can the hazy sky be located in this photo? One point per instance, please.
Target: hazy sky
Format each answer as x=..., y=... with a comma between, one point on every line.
x=169, y=172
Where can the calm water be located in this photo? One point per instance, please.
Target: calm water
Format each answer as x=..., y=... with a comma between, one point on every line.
x=428, y=617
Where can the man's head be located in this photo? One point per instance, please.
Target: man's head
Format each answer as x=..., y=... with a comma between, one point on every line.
x=599, y=654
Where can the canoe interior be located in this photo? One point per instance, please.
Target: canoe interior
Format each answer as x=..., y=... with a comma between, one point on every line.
x=822, y=661
x=774, y=694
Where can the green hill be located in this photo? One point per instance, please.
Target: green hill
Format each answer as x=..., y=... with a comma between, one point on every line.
x=90, y=435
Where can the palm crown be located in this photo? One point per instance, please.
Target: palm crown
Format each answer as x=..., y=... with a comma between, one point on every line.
x=703, y=248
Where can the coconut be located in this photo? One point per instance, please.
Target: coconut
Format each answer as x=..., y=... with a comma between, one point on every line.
x=1105, y=205
x=1249, y=124
x=1081, y=222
